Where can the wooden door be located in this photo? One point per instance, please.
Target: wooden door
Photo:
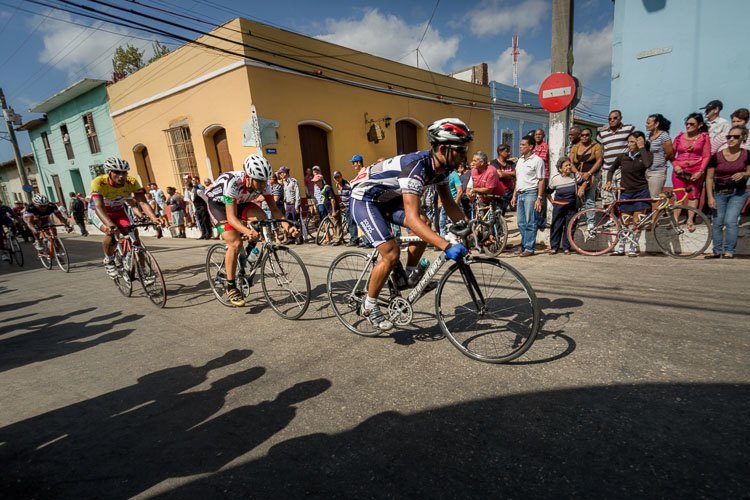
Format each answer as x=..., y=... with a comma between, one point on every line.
x=58, y=188
x=222, y=151
x=313, y=142
x=406, y=137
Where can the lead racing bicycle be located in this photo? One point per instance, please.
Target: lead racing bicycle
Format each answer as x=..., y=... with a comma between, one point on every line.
x=485, y=307
x=283, y=275
x=134, y=262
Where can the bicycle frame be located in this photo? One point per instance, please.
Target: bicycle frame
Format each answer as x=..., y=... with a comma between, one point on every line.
x=665, y=203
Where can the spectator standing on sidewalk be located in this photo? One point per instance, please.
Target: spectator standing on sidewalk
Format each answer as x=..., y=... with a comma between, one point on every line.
x=740, y=118
x=159, y=197
x=586, y=159
x=506, y=172
x=358, y=163
x=200, y=209
x=692, y=150
x=564, y=185
x=662, y=149
x=574, y=135
x=614, y=139
x=177, y=209
x=528, y=194
x=464, y=173
x=345, y=194
x=292, y=201
x=718, y=127
x=78, y=211
x=542, y=151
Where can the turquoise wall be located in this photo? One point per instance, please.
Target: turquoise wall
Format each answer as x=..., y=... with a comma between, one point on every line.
x=71, y=114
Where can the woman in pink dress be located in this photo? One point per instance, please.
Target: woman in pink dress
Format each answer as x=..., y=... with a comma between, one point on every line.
x=692, y=150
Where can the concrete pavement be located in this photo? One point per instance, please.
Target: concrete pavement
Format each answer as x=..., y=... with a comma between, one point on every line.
x=637, y=386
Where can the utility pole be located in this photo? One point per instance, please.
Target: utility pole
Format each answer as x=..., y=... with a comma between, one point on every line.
x=562, y=61
x=10, y=118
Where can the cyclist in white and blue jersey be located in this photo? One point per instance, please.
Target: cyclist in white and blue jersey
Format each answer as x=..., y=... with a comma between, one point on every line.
x=389, y=192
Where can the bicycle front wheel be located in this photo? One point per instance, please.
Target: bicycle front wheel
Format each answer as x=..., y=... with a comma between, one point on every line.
x=61, y=255
x=151, y=278
x=285, y=282
x=593, y=231
x=346, y=285
x=675, y=238
x=499, y=232
x=488, y=311
x=124, y=279
x=325, y=232
x=16, y=253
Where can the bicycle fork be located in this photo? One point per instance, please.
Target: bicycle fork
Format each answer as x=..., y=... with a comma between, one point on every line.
x=473, y=286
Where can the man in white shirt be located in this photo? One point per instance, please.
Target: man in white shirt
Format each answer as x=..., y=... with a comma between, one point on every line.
x=528, y=194
x=718, y=127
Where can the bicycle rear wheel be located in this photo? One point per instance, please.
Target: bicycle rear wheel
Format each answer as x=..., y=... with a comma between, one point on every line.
x=346, y=285
x=44, y=255
x=494, y=319
x=15, y=251
x=325, y=232
x=285, y=282
x=151, y=277
x=61, y=255
x=593, y=231
x=499, y=233
x=675, y=239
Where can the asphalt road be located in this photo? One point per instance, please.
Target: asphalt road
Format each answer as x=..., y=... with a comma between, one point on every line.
x=637, y=387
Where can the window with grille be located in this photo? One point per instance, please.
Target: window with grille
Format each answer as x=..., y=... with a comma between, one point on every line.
x=47, y=148
x=88, y=125
x=508, y=138
x=66, y=141
x=181, y=152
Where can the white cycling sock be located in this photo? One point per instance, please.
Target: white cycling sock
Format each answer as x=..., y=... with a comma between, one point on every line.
x=370, y=303
x=109, y=259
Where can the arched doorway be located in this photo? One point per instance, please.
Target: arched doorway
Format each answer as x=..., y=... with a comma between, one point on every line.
x=223, y=155
x=406, y=137
x=313, y=142
x=143, y=164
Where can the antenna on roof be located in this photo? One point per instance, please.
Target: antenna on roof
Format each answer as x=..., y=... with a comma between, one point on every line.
x=515, y=60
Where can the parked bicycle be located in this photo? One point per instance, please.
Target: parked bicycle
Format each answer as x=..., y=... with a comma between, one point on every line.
x=490, y=228
x=283, y=275
x=327, y=230
x=134, y=261
x=13, y=248
x=596, y=231
x=53, y=249
x=485, y=307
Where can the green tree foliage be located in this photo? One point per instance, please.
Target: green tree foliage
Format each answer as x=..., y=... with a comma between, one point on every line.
x=159, y=51
x=127, y=60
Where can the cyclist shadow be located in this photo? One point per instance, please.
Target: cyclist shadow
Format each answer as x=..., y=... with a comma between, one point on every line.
x=20, y=305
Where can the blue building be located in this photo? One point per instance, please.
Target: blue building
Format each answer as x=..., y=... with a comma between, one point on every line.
x=515, y=113
x=72, y=140
x=672, y=57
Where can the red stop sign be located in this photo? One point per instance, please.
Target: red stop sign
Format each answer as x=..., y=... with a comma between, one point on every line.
x=557, y=91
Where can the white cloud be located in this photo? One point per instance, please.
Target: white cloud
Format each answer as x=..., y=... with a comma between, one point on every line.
x=592, y=54
x=493, y=17
x=83, y=52
x=389, y=36
x=531, y=72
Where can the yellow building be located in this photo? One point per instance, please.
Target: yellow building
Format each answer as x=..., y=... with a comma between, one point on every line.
x=190, y=112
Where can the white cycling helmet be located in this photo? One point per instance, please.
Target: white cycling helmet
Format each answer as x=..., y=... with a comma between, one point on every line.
x=449, y=131
x=257, y=167
x=39, y=199
x=116, y=164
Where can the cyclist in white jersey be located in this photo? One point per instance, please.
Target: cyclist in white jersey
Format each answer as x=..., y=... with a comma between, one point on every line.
x=389, y=192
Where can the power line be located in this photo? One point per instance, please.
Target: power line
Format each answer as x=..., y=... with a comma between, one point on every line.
x=10, y=18
x=428, y=25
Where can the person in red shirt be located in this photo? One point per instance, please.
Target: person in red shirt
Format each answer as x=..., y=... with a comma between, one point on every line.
x=484, y=178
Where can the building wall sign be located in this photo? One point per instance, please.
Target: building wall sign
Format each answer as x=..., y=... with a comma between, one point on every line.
x=654, y=52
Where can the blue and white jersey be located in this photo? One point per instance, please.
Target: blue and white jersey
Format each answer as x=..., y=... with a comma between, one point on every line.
x=390, y=178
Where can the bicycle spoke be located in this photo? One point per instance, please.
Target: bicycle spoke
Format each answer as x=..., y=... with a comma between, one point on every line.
x=285, y=282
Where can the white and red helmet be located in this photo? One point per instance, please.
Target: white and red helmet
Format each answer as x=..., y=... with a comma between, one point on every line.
x=449, y=131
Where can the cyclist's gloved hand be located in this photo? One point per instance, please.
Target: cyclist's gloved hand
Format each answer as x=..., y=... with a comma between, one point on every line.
x=456, y=251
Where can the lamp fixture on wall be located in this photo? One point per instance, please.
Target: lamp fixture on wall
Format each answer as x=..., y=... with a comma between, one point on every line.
x=375, y=132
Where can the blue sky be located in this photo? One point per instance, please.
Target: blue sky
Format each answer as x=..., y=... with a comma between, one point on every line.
x=43, y=53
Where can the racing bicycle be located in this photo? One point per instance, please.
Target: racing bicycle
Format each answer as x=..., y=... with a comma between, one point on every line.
x=485, y=307
x=13, y=248
x=134, y=261
x=596, y=231
x=283, y=276
x=53, y=249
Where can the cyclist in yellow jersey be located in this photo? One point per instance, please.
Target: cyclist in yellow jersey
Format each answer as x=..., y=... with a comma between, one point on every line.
x=110, y=193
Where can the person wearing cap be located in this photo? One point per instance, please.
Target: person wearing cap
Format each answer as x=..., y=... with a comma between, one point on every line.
x=717, y=126
x=292, y=200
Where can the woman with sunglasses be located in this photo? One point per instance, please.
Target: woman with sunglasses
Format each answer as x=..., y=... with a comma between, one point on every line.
x=662, y=149
x=692, y=149
x=586, y=157
x=726, y=190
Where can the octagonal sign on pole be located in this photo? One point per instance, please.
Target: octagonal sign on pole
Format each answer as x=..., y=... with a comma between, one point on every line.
x=557, y=91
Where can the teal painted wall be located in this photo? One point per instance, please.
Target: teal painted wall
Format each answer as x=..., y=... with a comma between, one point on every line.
x=71, y=114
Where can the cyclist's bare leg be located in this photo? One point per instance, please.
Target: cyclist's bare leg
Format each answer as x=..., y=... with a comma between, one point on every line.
x=233, y=241
x=108, y=243
x=415, y=253
x=389, y=256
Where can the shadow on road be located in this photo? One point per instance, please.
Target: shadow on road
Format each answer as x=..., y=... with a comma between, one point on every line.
x=123, y=443
x=52, y=336
x=656, y=441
